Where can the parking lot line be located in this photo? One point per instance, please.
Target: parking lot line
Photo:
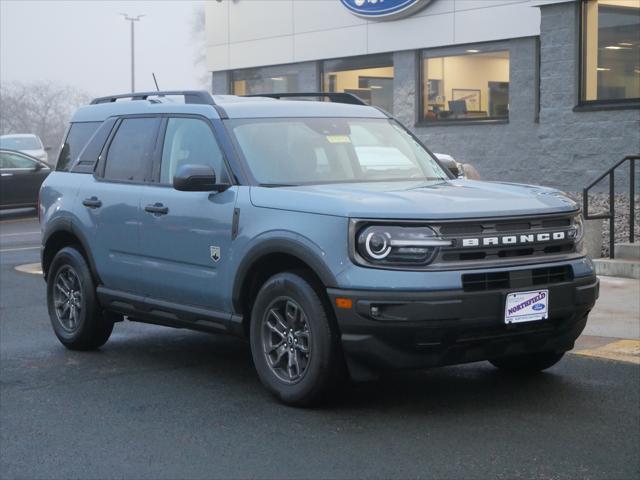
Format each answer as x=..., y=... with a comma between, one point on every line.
x=2, y=235
x=18, y=249
x=32, y=268
x=19, y=220
x=620, y=350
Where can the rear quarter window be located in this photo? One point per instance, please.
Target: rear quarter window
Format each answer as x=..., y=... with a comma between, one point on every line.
x=78, y=136
x=89, y=155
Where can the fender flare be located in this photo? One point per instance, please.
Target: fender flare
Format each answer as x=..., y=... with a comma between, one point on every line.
x=65, y=224
x=295, y=247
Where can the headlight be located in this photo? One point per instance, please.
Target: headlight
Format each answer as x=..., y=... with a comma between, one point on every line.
x=577, y=233
x=395, y=245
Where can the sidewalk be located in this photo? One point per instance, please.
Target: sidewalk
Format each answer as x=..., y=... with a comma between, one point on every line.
x=613, y=329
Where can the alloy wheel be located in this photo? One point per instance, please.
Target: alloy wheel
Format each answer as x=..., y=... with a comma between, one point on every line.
x=67, y=298
x=286, y=339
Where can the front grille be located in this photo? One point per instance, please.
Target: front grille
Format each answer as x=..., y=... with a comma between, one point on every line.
x=479, y=282
x=457, y=231
x=480, y=227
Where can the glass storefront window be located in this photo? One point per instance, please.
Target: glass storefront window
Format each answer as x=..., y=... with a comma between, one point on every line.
x=610, y=50
x=370, y=78
x=255, y=81
x=473, y=86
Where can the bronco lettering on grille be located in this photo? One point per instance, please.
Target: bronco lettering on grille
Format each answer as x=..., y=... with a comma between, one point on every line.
x=514, y=239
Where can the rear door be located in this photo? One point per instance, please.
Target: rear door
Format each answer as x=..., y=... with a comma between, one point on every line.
x=111, y=200
x=186, y=236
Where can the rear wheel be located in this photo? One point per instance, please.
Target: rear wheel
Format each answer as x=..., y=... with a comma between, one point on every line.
x=294, y=343
x=76, y=318
x=532, y=362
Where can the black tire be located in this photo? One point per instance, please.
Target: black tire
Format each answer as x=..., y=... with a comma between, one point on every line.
x=319, y=370
x=533, y=362
x=91, y=327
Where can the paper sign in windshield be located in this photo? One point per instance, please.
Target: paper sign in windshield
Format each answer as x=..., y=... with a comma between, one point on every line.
x=338, y=139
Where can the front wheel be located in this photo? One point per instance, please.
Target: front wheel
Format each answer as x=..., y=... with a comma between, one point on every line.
x=77, y=319
x=294, y=343
x=532, y=362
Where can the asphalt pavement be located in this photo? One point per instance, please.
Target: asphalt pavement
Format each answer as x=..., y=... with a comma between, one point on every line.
x=160, y=403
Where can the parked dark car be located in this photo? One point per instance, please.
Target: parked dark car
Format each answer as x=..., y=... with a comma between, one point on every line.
x=20, y=178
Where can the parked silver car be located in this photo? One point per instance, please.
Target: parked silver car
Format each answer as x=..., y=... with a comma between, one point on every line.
x=27, y=143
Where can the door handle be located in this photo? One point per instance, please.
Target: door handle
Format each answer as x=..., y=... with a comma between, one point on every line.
x=92, y=202
x=157, y=209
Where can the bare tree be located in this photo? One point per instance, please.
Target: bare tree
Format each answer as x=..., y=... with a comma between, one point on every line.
x=41, y=108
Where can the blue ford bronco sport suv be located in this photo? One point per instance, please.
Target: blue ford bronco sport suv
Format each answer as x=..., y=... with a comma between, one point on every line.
x=323, y=231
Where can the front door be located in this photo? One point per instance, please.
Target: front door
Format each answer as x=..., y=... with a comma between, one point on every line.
x=186, y=236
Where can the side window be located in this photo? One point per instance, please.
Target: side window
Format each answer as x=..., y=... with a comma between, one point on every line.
x=131, y=150
x=9, y=160
x=189, y=141
x=78, y=136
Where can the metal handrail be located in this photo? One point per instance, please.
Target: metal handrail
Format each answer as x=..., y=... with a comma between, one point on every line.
x=612, y=211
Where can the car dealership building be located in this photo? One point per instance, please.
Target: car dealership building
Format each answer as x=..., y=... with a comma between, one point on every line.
x=533, y=91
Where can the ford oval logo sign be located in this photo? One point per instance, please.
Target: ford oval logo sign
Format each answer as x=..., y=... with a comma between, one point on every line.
x=538, y=306
x=384, y=9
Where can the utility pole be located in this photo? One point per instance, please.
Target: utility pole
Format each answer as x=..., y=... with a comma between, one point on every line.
x=133, y=55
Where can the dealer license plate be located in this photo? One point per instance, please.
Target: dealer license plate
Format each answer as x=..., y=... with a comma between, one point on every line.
x=526, y=306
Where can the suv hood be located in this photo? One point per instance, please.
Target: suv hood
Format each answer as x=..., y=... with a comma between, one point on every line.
x=416, y=200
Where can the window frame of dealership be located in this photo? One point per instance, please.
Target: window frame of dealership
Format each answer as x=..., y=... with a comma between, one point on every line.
x=541, y=120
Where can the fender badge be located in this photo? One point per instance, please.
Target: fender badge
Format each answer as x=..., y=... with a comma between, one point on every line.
x=215, y=253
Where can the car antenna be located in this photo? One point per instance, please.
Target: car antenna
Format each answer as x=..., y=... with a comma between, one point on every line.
x=155, y=81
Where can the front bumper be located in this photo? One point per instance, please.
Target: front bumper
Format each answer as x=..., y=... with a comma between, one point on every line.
x=422, y=329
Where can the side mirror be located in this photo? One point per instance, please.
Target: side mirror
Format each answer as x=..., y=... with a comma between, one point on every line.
x=197, y=178
x=37, y=167
x=451, y=165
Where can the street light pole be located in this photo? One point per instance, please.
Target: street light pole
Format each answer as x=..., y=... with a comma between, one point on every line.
x=133, y=55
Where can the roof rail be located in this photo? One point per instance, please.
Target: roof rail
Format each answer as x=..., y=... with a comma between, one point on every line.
x=190, y=96
x=335, y=97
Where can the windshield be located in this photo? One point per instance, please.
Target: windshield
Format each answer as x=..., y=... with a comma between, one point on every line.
x=20, y=143
x=295, y=151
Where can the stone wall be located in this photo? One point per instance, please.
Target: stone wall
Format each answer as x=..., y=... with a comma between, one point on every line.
x=565, y=149
x=580, y=145
x=504, y=151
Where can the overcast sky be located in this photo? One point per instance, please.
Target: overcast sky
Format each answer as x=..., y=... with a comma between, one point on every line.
x=86, y=44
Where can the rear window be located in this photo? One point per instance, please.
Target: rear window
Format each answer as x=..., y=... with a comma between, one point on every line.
x=78, y=136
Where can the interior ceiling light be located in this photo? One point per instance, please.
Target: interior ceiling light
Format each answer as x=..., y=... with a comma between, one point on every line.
x=616, y=47
x=603, y=69
x=473, y=50
x=625, y=44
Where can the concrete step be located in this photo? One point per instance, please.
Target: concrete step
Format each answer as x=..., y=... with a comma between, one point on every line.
x=627, y=251
x=618, y=267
